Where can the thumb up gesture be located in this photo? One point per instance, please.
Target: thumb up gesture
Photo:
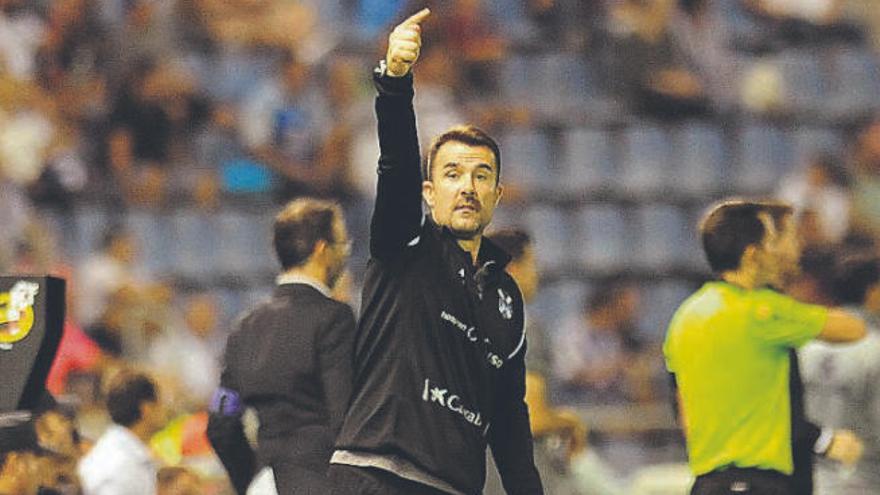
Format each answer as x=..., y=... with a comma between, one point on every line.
x=404, y=45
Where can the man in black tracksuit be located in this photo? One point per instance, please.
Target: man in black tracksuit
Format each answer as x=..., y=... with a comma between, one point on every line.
x=439, y=353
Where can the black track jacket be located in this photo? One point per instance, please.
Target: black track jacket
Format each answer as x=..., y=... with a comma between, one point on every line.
x=439, y=353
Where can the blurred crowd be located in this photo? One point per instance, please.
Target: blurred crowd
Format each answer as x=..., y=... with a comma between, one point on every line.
x=133, y=106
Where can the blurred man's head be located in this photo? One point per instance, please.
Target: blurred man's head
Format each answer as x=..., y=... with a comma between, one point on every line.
x=857, y=279
x=755, y=238
x=462, y=180
x=612, y=305
x=133, y=402
x=815, y=282
x=310, y=231
x=200, y=314
x=523, y=266
x=118, y=243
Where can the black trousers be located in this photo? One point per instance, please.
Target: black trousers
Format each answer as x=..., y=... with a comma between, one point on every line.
x=739, y=481
x=353, y=480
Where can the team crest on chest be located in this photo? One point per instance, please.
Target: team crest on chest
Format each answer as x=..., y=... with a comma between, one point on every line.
x=505, y=305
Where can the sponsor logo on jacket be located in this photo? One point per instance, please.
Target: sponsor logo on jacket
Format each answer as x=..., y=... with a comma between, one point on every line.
x=443, y=398
x=470, y=332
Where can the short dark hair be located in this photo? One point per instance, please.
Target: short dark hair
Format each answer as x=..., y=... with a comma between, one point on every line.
x=469, y=135
x=127, y=392
x=854, y=275
x=299, y=226
x=818, y=263
x=733, y=225
x=514, y=241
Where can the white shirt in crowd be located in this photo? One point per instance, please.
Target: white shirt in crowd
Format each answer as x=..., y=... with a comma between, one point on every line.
x=118, y=464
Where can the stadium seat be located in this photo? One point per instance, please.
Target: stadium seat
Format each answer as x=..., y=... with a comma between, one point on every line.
x=152, y=236
x=699, y=159
x=764, y=152
x=90, y=223
x=645, y=164
x=194, y=236
x=602, y=238
x=550, y=227
x=526, y=159
x=659, y=302
x=807, y=141
x=662, y=235
x=805, y=87
x=587, y=160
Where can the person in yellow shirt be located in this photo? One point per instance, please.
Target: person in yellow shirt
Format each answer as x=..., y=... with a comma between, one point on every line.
x=728, y=349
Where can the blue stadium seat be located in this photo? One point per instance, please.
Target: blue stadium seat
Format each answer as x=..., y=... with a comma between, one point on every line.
x=659, y=302
x=516, y=76
x=662, y=236
x=566, y=82
x=645, y=164
x=857, y=82
x=587, y=160
x=152, y=236
x=526, y=159
x=700, y=158
x=245, y=238
x=557, y=302
x=550, y=227
x=603, y=241
x=805, y=87
x=807, y=141
x=511, y=18
x=764, y=152
x=90, y=223
x=196, y=245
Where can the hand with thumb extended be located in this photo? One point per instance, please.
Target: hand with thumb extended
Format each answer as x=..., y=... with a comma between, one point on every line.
x=405, y=44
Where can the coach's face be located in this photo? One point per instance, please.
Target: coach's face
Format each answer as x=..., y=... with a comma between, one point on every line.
x=463, y=191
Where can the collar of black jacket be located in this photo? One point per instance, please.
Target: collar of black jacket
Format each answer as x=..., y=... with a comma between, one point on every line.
x=490, y=254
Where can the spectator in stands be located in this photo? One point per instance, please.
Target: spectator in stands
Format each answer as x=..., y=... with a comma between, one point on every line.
x=819, y=193
x=21, y=31
x=600, y=353
x=866, y=183
x=841, y=382
x=157, y=105
x=467, y=31
x=284, y=124
x=24, y=464
x=188, y=353
x=120, y=462
x=799, y=22
x=646, y=68
x=703, y=41
x=867, y=14
x=105, y=273
x=71, y=58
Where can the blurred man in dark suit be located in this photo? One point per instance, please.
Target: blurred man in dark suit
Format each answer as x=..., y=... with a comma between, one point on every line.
x=290, y=359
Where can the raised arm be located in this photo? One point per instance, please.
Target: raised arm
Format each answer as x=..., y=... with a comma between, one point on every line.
x=397, y=215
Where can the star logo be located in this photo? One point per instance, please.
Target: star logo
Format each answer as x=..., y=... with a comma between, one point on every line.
x=439, y=395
